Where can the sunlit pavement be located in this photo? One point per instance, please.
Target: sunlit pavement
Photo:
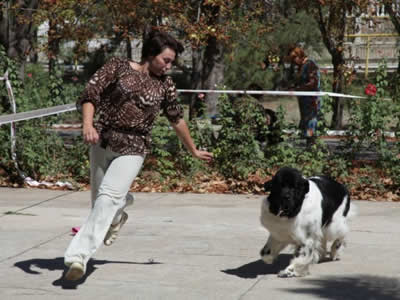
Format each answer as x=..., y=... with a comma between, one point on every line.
x=185, y=246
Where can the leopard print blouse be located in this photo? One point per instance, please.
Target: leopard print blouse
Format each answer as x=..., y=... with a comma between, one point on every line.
x=127, y=103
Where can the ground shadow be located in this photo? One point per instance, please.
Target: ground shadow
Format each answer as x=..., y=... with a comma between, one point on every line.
x=358, y=287
x=258, y=267
x=58, y=264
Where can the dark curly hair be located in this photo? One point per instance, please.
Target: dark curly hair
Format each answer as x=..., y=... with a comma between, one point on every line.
x=157, y=41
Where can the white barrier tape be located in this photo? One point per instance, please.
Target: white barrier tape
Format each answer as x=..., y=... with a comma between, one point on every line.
x=22, y=116
x=6, y=119
x=274, y=93
x=339, y=133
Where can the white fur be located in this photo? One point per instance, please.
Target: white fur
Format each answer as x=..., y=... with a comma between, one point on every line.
x=304, y=232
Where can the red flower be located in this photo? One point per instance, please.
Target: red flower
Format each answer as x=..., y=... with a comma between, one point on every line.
x=29, y=75
x=200, y=96
x=370, y=90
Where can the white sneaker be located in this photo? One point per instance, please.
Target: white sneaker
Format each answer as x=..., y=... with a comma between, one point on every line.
x=112, y=233
x=75, y=272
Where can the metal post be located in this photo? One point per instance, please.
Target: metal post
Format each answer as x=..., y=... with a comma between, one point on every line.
x=367, y=56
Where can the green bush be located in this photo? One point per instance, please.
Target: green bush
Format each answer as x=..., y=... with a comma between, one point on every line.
x=238, y=149
x=40, y=152
x=237, y=152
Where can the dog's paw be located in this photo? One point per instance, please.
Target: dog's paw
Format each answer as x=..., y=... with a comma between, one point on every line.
x=334, y=256
x=268, y=259
x=290, y=272
x=336, y=250
x=287, y=273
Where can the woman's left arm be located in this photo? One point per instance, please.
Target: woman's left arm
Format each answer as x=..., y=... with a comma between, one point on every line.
x=183, y=133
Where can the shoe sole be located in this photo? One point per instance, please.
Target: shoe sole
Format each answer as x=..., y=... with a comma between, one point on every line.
x=74, y=273
x=107, y=241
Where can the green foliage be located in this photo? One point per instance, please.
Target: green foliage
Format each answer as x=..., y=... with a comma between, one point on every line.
x=171, y=158
x=203, y=136
x=237, y=152
x=235, y=140
x=371, y=117
x=243, y=64
x=299, y=28
x=165, y=144
x=41, y=153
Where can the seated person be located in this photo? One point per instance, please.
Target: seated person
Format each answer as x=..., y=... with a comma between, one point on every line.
x=260, y=121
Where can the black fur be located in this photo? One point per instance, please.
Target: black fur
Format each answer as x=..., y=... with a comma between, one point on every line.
x=301, y=211
x=288, y=189
x=333, y=194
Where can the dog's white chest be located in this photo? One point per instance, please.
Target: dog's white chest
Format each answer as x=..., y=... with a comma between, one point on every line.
x=280, y=228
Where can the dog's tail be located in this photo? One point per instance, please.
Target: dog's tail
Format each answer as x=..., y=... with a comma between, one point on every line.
x=353, y=210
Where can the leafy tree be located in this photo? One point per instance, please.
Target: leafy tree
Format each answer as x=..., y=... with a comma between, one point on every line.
x=16, y=34
x=262, y=40
x=207, y=24
x=393, y=9
x=334, y=22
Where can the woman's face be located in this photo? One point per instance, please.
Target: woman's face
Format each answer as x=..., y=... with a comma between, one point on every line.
x=296, y=59
x=162, y=63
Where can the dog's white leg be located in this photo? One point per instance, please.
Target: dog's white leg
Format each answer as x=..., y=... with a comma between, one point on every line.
x=323, y=250
x=299, y=266
x=337, y=248
x=271, y=250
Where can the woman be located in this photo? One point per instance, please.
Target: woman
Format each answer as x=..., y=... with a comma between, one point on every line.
x=308, y=80
x=126, y=98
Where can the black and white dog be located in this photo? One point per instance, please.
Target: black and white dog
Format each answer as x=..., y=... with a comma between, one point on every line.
x=308, y=213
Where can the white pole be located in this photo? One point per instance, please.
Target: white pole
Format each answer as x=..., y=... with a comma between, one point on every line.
x=12, y=127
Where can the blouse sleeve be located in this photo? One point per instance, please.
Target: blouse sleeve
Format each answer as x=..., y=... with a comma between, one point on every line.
x=104, y=77
x=170, y=107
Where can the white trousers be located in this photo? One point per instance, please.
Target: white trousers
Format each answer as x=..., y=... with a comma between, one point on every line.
x=111, y=176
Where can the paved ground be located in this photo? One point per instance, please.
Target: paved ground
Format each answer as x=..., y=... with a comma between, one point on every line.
x=185, y=246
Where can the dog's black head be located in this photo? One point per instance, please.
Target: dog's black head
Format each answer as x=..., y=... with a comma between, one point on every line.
x=288, y=188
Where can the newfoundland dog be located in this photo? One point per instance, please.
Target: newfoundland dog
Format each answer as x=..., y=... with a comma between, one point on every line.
x=307, y=213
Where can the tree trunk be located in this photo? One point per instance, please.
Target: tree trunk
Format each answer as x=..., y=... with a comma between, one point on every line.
x=332, y=32
x=17, y=37
x=337, y=87
x=128, y=48
x=53, y=43
x=196, y=82
x=395, y=18
x=213, y=73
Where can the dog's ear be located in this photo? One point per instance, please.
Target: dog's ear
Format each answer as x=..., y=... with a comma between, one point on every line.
x=268, y=186
x=306, y=186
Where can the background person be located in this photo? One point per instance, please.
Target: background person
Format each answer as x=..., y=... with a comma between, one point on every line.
x=307, y=78
x=250, y=112
x=126, y=97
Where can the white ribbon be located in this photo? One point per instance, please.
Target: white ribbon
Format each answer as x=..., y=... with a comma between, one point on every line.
x=5, y=119
x=274, y=93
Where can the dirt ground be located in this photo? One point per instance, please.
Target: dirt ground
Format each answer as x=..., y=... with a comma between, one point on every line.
x=291, y=107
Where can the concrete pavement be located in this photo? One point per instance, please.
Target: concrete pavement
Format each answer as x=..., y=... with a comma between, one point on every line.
x=185, y=246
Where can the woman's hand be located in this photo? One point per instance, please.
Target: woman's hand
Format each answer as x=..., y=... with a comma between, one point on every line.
x=182, y=131
x=203, y=155
x=90, y=135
